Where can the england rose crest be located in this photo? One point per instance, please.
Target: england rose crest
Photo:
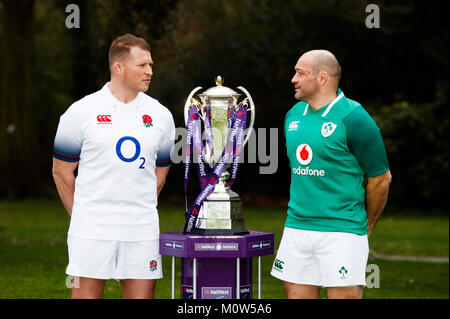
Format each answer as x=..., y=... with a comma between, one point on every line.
x=147, y=120
x=153, y=265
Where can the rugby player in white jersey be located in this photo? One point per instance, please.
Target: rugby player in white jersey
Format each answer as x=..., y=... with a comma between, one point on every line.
x=120, y=139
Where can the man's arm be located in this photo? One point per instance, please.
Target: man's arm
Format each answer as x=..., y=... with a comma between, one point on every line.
x=161, y=173
x=64, y=177
x=377, y=190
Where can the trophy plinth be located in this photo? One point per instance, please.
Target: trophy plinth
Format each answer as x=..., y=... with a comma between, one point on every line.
x=216, y=250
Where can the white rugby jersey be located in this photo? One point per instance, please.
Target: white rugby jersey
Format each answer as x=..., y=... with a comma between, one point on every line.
x=118, y=146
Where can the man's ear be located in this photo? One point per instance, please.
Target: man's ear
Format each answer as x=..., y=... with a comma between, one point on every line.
x=323, y=77
x=117, y=67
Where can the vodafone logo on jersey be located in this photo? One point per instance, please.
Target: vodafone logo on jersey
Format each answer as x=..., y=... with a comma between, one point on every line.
x=304, y=154
x=104, y=119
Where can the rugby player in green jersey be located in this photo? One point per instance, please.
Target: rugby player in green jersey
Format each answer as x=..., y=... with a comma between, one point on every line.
x=332, y=144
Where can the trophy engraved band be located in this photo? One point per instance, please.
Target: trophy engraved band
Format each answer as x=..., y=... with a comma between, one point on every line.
x=217, y=209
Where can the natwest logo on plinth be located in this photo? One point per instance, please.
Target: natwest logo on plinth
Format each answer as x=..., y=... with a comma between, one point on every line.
x=216, y=292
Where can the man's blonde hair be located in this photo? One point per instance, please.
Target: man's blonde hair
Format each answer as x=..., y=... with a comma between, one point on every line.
x=120, y=47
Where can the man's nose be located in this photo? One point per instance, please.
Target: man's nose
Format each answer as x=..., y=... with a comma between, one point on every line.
x=294, y=79
x=149, y=70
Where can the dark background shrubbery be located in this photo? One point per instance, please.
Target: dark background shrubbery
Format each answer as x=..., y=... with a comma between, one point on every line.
x=398, y=72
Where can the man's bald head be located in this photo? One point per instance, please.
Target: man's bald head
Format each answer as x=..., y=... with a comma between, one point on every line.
x=323, y=60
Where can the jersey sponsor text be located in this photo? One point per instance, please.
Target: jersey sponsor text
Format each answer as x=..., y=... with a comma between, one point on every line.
x=308, y=171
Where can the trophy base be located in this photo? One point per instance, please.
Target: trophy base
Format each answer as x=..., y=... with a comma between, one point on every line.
x=214, y=232
x=221, y=213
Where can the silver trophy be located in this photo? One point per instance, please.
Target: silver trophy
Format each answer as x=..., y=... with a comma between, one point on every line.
x=221, y=212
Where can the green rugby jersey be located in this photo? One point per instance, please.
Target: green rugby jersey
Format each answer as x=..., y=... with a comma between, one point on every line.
x=330, y=150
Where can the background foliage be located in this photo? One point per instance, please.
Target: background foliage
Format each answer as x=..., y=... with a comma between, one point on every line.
x=398, y=72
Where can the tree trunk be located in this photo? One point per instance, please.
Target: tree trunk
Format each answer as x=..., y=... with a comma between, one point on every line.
x=85, y=70
x=18, y=132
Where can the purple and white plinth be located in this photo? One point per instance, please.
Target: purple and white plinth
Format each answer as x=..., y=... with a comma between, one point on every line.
x=216, y=267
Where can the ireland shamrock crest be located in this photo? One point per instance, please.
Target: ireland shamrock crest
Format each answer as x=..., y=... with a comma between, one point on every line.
x=343, y=272
x=147, y=120
x=328, y=129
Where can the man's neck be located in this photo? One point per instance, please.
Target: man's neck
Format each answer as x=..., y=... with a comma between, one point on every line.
x=321, y=100
x=121, y=93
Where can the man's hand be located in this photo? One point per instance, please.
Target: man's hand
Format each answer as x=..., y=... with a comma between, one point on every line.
x=376, y=197
x=64, y=177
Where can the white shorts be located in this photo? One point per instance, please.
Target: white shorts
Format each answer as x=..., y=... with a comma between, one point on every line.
x=326, y=259
x=108, y=259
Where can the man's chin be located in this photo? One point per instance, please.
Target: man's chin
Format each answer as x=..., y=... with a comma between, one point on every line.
x=144, y=89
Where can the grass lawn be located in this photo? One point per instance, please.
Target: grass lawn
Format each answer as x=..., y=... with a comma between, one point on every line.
x=33, y=253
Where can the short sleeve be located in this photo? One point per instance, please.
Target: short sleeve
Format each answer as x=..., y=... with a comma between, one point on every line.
x=166, y=144
x=365, y=142
x=67, y=145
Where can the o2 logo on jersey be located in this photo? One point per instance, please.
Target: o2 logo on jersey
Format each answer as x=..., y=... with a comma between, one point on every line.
x=136, y=153
x=304, y=154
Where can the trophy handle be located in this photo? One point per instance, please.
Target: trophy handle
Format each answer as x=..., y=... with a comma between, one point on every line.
x=188, y=104
x=252, y=114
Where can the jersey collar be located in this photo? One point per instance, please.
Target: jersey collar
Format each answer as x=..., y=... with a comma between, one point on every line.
x=339, y=96
x=115, y=100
